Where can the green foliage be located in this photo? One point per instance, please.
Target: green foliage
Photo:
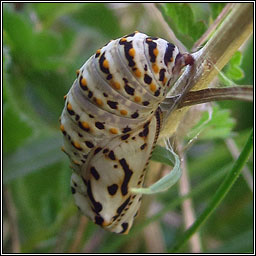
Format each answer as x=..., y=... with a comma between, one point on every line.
x=181, y=19
x=232, y=71
x=217, y=124
x=216, y=9
x=43, y=45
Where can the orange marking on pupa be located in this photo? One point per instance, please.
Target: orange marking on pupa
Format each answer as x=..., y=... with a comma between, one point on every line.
x=123, y=112
x=105, y=64
x=152, y=87
x=137, y=73
x=69, y=106
x=113, y=130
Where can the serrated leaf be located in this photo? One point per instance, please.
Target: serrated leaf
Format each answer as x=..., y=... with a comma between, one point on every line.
x=232, y=71
x=219, y=125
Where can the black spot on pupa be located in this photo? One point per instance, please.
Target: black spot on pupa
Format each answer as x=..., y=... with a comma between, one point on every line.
x=109, y=77
x=94, y=173
x=99, y=125
x=112, y=104
x=125, y=137
x=91, y=116
x=97, y=207
x=115, y=166
x=89, y=144
x=73, y=190
x=124, y=226
x=151, y=46
x=127, y=47
x=98, y=220
x=111, y=155
x=145, y=103
x=105, y=95
x=123, y=205
x=125, y=80
x=157, y=93
x=146, y=124
x=126, y=129
x=147, y=79
x=80, y=135
x=77, y=117
x=168, y=53
x=161, y=74
x=90, y=94
x=128, y=173
x=97, y=150
x=143, y=146
x=135, y=115
x=144, y=133
x=105, y=150
x=112, y=189
x=146, y=67
x=129, y=89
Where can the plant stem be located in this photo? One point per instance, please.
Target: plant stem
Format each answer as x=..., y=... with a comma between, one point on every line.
x=232, y=33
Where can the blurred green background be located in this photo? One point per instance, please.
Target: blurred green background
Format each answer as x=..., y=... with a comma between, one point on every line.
x=43, y=45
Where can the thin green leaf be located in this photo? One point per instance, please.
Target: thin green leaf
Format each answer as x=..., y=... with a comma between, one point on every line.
x=168, y=180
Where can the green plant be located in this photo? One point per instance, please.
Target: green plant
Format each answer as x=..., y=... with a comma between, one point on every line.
x=43, y=45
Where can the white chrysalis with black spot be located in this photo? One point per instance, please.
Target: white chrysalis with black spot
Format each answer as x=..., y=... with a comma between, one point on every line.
x=111, y=122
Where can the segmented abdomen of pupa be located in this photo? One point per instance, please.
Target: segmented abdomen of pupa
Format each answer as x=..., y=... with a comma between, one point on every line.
x=111, y=121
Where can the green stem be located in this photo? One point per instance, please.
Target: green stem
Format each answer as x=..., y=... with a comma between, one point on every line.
x=220, y=193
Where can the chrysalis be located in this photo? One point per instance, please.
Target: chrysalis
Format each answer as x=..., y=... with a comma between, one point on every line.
x=111, y=121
